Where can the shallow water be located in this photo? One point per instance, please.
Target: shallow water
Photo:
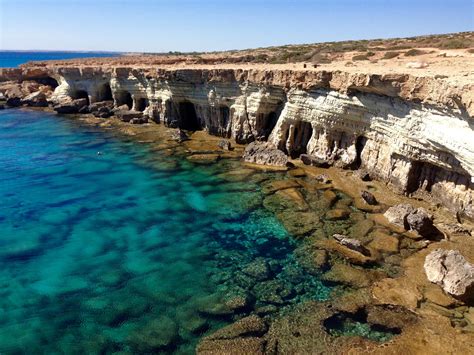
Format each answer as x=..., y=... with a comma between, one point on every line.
x=130, y=250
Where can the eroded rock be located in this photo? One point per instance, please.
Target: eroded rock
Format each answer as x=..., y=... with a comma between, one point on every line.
x=450, y=270
x=264, y=153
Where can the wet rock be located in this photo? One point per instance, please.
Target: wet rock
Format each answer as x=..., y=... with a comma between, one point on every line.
x=205, y=159
x=397, y=292
x=361, y=228
x=323, y=178
x=237, y=346
x=390, y=316
x=258, y=269
x=238, y=303
x=224, y=144
x=36, y=99
x=277, y=185
x=103, y=112
x=13, y=102
x=314, y=161
x=94, y=107
x=297, y=172
x=299, y=224
x=352, y=256
x=351, y=243
x=337, y=214
x=384, y=243
x=251, y=325
x=351, y=276
x=398, y=215
x=421, y=222
x=368, y=197
x=70, y=107
x=264, y=154
x=128, y=115
x=294, y=195
x=139, y=120
x=179, y=136
x=157, y=335
x=266, y=309
x=273, y=291
x=450, y=270
x=330, y=197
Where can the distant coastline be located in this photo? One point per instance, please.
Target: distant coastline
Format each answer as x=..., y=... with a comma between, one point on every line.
x=14, y=58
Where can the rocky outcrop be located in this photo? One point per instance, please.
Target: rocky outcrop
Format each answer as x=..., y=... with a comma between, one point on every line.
x=450, y=270
x=407, y=217
x=412, y=132
x=264, y=154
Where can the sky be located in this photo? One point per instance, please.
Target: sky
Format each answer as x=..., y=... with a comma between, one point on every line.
x=207, y=25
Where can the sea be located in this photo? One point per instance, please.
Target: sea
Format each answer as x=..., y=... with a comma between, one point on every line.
x=12, y=59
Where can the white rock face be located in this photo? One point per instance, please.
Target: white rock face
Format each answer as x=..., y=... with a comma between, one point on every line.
x=407, y=144
x=450, y=270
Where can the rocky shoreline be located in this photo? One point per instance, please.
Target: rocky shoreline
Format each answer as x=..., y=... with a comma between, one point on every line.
x=387, y=260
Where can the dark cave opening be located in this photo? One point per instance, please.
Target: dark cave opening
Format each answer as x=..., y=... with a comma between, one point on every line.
x=302, y=132
x=104, y=93
x=187, y=116
x=360, y=144
x=80, y=94
x=124, y=98
x=47, y=80
x=141, y=104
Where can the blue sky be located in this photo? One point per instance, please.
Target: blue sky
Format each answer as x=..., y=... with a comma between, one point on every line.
x=200, y=25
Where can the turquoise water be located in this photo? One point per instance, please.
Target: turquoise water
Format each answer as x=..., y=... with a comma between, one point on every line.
x=12, y=59
x=130, y=250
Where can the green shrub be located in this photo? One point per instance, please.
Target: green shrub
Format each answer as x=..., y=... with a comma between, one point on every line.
x=456, y=44
x=414, y=52
x=390, y=55
x=360, y=57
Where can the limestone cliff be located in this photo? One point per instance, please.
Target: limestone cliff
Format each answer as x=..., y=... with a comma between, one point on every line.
x=415, y=133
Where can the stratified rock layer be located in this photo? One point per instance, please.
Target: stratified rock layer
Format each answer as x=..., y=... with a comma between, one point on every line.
x=412, y=132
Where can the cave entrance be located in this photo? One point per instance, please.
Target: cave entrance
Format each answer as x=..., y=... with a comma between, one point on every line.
x=265, y=124
x=124, y=98
x=141, y=104
x=187, y=116
x=47, y=80
x=302, y=132
x=80, y=94
x=360, y=144
x=104, y=93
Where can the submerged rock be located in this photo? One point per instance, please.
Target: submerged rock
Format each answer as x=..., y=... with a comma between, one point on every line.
x=159, y=334
x=368, y=197
x=241, y=337
x=450, y=270
x=264, y=154
x=351, y=243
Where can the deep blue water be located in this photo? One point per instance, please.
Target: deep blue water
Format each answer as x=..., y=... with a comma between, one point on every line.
x=132, y=250
x=11, y=59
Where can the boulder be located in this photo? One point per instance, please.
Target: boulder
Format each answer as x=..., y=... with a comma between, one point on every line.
x=98, y=105
x=71, y=107
x=36, y=99
x=422, y=222
x=139, y=120
x=368, y=198
x=179, y=136
x=128, y=115
x=314, y=161
x=351, y=243
x=450, y=270
x=224, y=144
x=398, y=215
x=264, y=153
x=13, y=102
